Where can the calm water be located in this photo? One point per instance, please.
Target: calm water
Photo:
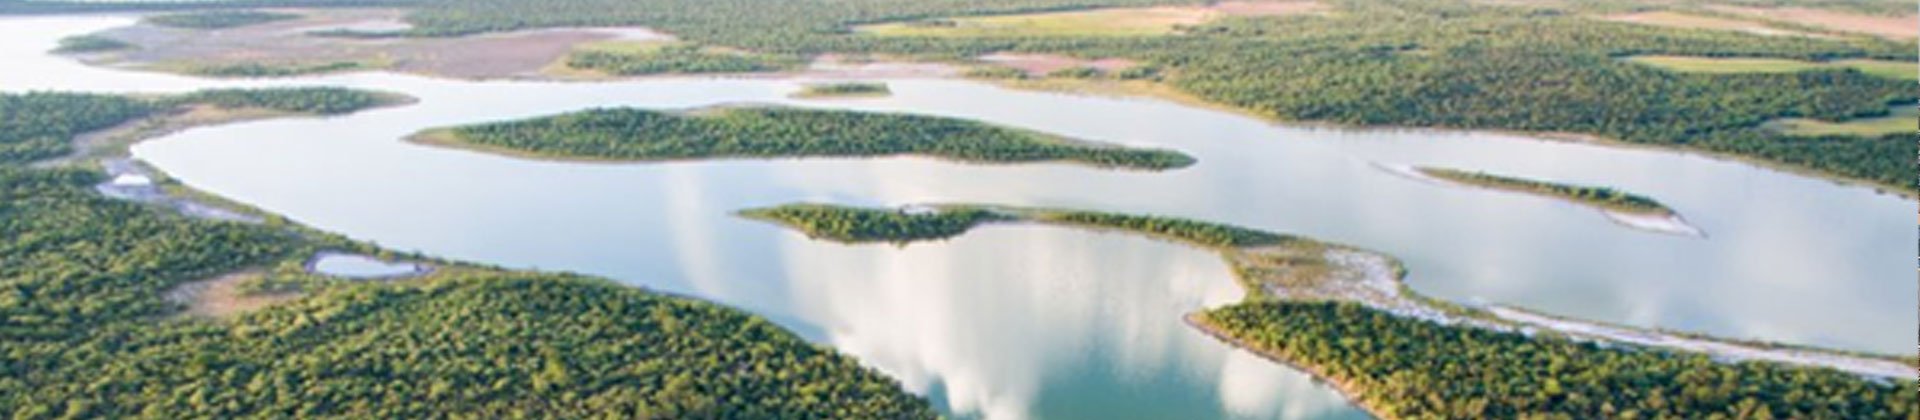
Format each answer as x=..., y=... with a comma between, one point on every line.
x=1012, y=322
x=360, y=266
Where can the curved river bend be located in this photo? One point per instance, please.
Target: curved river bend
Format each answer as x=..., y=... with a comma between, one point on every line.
x=1027, y=321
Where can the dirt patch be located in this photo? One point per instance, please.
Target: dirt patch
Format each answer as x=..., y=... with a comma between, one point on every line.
x=1890, y=27
x=293, y=44
x=1691, y=21
x=221, y=297
x=1041, y=64
x=835, y=66
x=1267, y=8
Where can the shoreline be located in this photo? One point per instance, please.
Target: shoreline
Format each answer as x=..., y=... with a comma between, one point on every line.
x=1197, y=320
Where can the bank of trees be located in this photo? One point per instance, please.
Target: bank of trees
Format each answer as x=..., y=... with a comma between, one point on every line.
x=678, y=58
x=86, y=332
x=626, y=133
x=1605, y=197
x=854, y=225
x=41, y=125
x=218, y=19
x=1411, y=368
x=1197, y=232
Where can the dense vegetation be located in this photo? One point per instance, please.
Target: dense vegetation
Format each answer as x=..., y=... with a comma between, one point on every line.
x=856, y=224
x=39, y=125
x=820, y=90
x=1603, y=197
x=691, y=59
x=625, y=133
x=85, y=332
x=90, y=44
x=221, y=19
x=1410, y=368
x=1192, y=231
x=853, y=225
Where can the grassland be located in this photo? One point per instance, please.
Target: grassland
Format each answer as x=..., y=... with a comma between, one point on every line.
x=1905, y=119
x=1736, y=65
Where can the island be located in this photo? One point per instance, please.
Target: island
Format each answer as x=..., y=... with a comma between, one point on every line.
x=1343, y=315
x=756, y=131
x=844, y=90
x=1624, y=208
x=218, y=19
x=113, y=305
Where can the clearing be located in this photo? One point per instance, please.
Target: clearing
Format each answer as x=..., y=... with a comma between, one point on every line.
x=1692, y=21
x=1903, y=119
x=1891, y=27
x=221, y=297
x=1131, y=21
x=1883, y=68
x=301, y=46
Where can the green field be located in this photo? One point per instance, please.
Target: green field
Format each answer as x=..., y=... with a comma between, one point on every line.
x=1714, y=65
x=1902, y=120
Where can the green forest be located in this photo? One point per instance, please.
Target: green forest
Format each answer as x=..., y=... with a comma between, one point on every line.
x=1603, y=197
x=670, y=59
x=856, y=225
x=1411, y=368
x=637, y=134
x=86, y=333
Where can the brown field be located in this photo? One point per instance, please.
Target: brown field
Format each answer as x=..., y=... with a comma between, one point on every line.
x=220, y=297
x=1041, y=64
x=287, y=43
x=1891, y=27
x=1691, y=21
x=1267, y=8
x=1124, y=21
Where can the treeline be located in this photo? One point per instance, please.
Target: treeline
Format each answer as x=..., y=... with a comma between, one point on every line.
x=85, y=331
x=689, y=59
x=1199, y=233
x=272, y=70
x=626, y=133
x=1410, y=368
x=90, y=44
x=855, y=225
x=310, y=100
x=1604, y=197
x=845, y=89
x=41, y=125
x=218, y=19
